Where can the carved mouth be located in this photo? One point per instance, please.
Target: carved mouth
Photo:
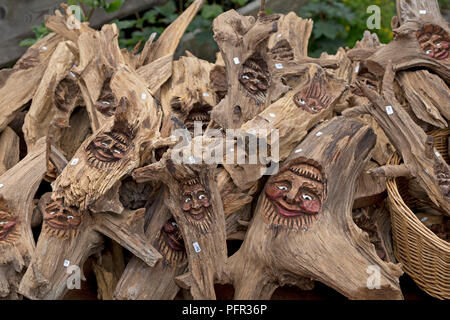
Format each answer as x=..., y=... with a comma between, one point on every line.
x=57, y=224
x=174, y=243
x=197, y=214
x=7, y=229
x=198, y=113
x=442, y=55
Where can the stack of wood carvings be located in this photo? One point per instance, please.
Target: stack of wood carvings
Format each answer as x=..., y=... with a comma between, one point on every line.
x=102, y=158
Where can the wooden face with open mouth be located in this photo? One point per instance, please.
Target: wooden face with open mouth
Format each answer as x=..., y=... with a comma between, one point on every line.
x=199, y=111
x=170, y=243
x=8, y=226
x=196, y=204
x=294, y=197
x=313, y=98
x=435, y=41
x=108, y=148
x=66, y=94
x=106, y=102
x=255, y=77
x=59, y=220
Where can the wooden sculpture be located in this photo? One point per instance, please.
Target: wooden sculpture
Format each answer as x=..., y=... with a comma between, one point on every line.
x=302, y=224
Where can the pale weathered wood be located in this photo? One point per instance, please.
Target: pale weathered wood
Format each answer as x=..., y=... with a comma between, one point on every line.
x=9, y=150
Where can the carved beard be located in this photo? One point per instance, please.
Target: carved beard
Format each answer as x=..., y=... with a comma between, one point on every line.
x=196, y=206
x=282, y=51
x=170, y=244
x=443, y=176
x=435, y=41
x=293, y=198
x=198, y=113
x=107, y=102
x=107, y=149
x=59, y=221
x=255, y=78
x=8, y=226
x=313, y=98
x=66, y=92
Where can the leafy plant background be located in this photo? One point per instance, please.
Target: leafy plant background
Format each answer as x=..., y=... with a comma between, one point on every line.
x=337, y=23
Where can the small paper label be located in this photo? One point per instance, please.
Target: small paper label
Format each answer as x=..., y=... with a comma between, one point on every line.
x=72, y=74
x=437, y=154
x=66, y=263
x=144, y=96
x=279, y=35
x=423, y=11
x=389, y=110
x=206, y=94
x=236, y=60
x=74, y=161
x=272, y=115
x=191, y=159
x=1, y=185
x=318, y=134
x=279, y=66
x=196, y=247
x=44, y=48
x=424, y=219
x=357, y=69
x=298, y=150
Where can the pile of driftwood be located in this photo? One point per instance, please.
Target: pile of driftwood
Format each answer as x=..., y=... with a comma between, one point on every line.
x=97, y=123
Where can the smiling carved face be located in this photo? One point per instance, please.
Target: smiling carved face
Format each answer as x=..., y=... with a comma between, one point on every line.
x=8, y=225
x=108, y=148
x=170, y=244
x=313, y=98
x=196, y=204
x=295, y=195
x=435, y=41
x=60, y=220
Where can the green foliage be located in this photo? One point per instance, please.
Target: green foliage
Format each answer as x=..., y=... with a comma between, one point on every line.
x=39, y=31
x=341, y=23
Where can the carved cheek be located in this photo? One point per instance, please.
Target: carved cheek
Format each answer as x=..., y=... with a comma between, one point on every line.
x=311, y=206
x=273, y=192
x=205, y=202
x=186, y=205
x=74, y=222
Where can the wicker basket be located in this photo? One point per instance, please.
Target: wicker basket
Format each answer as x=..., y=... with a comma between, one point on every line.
x=425, y=257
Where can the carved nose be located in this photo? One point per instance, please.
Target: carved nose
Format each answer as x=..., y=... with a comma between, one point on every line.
x=195, y=204
x=290, y=197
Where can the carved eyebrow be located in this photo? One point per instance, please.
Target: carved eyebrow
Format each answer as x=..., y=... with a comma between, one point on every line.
x=283, y=181
x=311, y=188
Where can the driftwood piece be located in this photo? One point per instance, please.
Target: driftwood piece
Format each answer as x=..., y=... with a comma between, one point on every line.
x=18, y=187
x=18, y=85
x=188, y=95
x=141, y=282
x=422, y=40
x=196, y=205
x=302, y=227
x=57, y=91
x=9, y=150
x=311, y=101
x=421, y=160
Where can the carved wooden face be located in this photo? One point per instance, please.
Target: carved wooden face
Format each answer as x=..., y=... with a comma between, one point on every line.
x=170, y=243
x=59, y=220
x=197, y=111
x=196, y=204
x=255, y=78
x=108, y=148
x=282, y=51
x=435, y=41
x=313, y=98
x=66, y=94
x=106, y=102
x=294, y=197
x=443, y=176
x=8, y=226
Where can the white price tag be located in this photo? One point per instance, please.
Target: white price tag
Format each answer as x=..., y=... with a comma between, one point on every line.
x=66, y=263
x=272, y=115
x=144, y=96
x=298, y=150
x=206, y=94
x=318, y=134
x=74, y=161
x=423, y=11
x=389, y=110
x=437, y=154
x=1, y=185
x=196, y=247
x=236, y=60
x=278, y=66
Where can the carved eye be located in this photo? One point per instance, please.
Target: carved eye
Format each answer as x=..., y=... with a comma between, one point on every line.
x=428, y=52
x=201, y=197
x=314, y=109
x=52, y=213
x=116, y=151
x=3, y=223
x=187, y=200
x=282, y=188
x=70, y=217
x=245, y=77
x=104, y=144
x=106, y=102
x=174, y=224
x=301, y=101
x=306, y=197
x=438, y=44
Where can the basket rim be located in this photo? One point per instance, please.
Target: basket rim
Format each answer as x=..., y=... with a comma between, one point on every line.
x=397, y=199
